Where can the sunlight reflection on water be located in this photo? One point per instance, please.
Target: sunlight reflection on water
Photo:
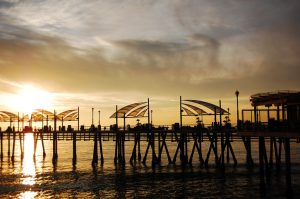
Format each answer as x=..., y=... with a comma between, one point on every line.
x=27, y=195
x=28, y=166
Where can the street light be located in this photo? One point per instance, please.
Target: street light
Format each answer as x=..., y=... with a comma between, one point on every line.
x=92, y=116
x=151, y=116
x=99, y=117
x=237, y=107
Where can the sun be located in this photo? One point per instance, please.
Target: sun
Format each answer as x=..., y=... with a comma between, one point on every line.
x=29, y=98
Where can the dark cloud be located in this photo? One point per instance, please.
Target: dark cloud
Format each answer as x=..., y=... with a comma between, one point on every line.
x=181, y=61
x=6, y=4
x=221, y=19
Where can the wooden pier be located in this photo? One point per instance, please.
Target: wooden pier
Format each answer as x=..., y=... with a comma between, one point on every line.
x=279, y=131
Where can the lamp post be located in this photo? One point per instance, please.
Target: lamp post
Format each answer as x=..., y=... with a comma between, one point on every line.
x=92, y=116
x=151, y=117
x=99, y=118
x=237, y=107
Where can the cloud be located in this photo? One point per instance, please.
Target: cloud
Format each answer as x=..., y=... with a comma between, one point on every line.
x=7, y=4
x=181, y=61
x=167, y=48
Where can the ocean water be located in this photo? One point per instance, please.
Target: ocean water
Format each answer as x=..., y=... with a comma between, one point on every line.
x=38, y=178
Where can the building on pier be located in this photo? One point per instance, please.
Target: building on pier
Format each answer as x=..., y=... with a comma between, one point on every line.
x=285, y=106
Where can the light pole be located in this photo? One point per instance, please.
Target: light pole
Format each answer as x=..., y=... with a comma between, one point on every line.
x=92, y=116
x=99, y=117
x=151, y=116
x=237, y=107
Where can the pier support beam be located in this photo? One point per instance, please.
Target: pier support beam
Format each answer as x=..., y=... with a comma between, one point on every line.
x=95, y=153
x=74, y=138
x=213, y=146
x=21, y=144
x=197, y=136
x=14, y=145
x=55, y=154
x=151, y=140
x=36, y=136
x=181, y=148
x=163, y=135
x=136, y=149
x=151, y=145
x=1, y=144
x=120, y=146
x=97, y=137
x=247, y=144
x=100, y=144
x=227, y=144
x=8, y=131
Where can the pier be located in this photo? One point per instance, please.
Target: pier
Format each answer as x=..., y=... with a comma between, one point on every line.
x=278, y=132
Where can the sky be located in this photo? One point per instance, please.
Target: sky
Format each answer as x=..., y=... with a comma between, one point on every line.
x=105, y=53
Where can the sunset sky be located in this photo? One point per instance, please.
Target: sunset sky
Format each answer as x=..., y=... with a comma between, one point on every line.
x=102, y=53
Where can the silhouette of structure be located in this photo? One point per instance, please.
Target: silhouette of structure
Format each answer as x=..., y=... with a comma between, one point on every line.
x=279, y=130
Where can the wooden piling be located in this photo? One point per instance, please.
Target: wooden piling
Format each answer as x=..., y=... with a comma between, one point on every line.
x=95, y=153
x=152, y=135
x=139, y=146
x=123, y=140
x=1, y=143
x=227, y=144
x=159, y=146
x=100, y=144
x=134, y=150
x=35, y=139
x=43, y=145
x=200, y=140
x=8, y=140
x=74, y=159
x=164, y=145
x=116, y=145
x=212, y=139
x=197, y=145
x=222, y=138
x=54, y=155
x=14, y=145
x=21, y=145
x=119, y=146
x=182, y=144
x=20, y=137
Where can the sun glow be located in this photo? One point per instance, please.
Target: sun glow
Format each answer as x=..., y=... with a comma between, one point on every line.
x=29, y=98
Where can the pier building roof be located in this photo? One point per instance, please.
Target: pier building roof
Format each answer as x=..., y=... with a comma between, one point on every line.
x=287, y=97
